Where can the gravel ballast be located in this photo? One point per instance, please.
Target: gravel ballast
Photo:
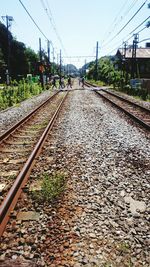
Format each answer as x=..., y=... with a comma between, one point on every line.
x=12, y=115
x=102, y=219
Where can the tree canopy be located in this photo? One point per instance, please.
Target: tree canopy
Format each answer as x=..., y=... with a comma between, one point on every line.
x=22, y=60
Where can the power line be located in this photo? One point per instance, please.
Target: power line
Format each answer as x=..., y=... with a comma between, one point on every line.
x=122, y=17
x=126, y=23
x=52, y=22
x=128, y=40
x=144, y=40
x=34, y=21
x=132, y=17
x=133, y=31
x=140, y=25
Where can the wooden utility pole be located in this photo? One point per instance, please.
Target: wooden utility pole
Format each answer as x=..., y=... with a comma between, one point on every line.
x=48, y=51
x=41, y=68
x=60, y=64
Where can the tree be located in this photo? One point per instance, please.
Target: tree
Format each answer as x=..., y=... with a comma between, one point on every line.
x=32, y=60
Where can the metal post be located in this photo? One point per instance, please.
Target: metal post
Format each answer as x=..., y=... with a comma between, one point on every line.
x=134, y=63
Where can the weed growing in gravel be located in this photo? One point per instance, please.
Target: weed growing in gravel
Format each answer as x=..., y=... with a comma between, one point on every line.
x=123, y=247
x=40, y=125
x=51, y=187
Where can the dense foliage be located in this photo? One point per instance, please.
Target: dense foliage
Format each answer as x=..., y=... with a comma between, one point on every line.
x=17, y=92
x=22, y=60
x=106, y=71
x=110, y=72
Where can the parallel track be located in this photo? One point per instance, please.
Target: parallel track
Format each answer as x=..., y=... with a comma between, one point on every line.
x=137, y=112
x=34, y=140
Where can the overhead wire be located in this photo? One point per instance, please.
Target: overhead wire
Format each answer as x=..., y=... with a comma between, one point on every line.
x=140, y=25
x=115, y=19
x=52, y=22
x=34, y=22
x=133, y=31
x=122, y=17
x=128, y=40
x=132, y=17
x=126, y=23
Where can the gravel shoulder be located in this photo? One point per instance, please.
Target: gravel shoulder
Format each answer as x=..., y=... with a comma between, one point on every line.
x=12, y=115
x=102, y=219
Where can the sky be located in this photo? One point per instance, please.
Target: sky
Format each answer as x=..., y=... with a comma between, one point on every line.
x=75, y=26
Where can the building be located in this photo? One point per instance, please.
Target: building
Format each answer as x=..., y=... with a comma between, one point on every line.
x=135, y=61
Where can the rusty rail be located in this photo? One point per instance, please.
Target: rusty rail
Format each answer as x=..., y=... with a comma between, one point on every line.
x=141, y=122
x=18, y=124
x=11, y=199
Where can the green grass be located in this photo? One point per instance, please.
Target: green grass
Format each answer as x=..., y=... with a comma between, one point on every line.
x=51, y=187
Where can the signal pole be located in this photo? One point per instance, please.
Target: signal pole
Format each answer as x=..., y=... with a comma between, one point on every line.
x=48, y=51
x=8, y=19
x=96, y=63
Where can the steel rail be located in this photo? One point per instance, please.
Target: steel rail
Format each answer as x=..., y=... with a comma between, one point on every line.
x=145, y=125
x=126, y=100
x=18, y=124
x=14, y=193
x=141, y=122
x=120, y=97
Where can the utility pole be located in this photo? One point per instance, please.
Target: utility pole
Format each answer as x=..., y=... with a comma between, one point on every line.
x=60, y=64
x=48, y=51
x=134, y=63
x=125, y=71
x=53, y=60
x=96, y=63
x=85, y=68
x=9, y=20
x=48, y=66
x=41, y=68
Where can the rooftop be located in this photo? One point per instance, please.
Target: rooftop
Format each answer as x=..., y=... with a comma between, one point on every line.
x=140, y=52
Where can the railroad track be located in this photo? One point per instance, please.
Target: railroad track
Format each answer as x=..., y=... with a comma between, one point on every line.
x=19, y=147
x=139, y=113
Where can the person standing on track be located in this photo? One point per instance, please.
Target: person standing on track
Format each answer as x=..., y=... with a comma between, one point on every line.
x=69, y=82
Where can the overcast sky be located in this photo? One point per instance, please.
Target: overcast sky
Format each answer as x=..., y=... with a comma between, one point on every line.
x=74, y=26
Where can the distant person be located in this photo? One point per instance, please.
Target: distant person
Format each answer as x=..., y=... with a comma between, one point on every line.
x=79, y=81
x=83, y=80
x=63, y=82
x=69, y=82
x=54, y=83
x=60, y=83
